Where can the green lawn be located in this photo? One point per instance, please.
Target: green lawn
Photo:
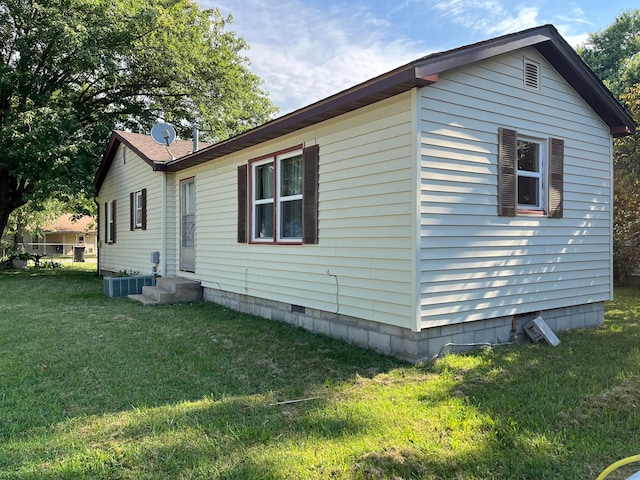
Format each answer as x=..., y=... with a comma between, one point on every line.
x=92, y=387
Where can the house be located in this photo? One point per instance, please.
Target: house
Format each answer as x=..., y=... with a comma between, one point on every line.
x=448, y=201
x=65, y=234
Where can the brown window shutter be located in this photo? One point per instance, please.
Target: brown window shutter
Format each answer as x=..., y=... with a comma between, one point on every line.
x=507, y=174
x=144, y=209
x=556, y=178
x=310, y=159
x=113, y=212
x=242, y=204
x=132, y=211
x=106, y=222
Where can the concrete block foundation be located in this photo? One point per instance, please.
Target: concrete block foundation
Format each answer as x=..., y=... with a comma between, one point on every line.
x=401, y=342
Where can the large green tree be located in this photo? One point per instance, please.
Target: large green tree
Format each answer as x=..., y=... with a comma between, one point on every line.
x=614, y=55
x=73, y=70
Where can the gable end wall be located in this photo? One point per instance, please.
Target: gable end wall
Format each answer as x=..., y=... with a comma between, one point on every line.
x=132, y=249
x=475, y=265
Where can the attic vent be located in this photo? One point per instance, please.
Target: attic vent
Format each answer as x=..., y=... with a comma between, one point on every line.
x=531, y=74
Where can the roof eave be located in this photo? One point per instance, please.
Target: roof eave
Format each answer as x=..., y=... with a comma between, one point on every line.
x=420, y=73
x=393, y=83
x=110, y=153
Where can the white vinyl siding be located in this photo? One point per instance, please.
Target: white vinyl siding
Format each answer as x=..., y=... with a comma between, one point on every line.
x=132, y=249
x=474, y=264
x=365, y=221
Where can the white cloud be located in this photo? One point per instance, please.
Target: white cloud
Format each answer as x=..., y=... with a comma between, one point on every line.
x=489, y=17
x=306, y=50
x=305, y=54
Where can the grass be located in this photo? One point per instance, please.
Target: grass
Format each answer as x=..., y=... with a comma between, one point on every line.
x=108, y=389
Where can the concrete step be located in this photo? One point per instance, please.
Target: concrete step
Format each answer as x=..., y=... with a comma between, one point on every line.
x=170, y=290
x=143, y=299
x=158, y=294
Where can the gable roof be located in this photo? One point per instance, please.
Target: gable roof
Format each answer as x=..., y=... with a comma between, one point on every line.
x=67, y=224
x=145, y=147
x=423, y=72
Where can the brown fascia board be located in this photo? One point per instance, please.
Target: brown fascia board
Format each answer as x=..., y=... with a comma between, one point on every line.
x=388, y=85
x=105, y=164
x=109, y=155
x=559, y=54
x=423, y=72
x=569, y=64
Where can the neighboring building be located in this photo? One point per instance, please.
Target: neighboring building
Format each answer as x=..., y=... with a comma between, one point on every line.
x=443, y=202
x=62, y=236
x=67, y=233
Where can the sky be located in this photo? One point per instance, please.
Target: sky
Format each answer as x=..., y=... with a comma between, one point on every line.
x=307, y=50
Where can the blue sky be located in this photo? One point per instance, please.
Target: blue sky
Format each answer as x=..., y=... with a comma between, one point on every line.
x=306, y=50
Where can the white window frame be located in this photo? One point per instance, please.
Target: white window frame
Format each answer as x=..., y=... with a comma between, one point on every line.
x=256, y=234
x=539, y=174
x=137, y=212
x=110, y=220
x=276, y=200
x=289, y=198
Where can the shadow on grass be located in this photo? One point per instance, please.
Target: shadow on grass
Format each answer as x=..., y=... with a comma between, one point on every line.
x=97, y=388
x=103, y=388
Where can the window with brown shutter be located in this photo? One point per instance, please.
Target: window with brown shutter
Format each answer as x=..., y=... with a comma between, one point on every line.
x=556, y=178
x=530, y=175
x=242, y=204
x=507, y=152
x=110, y=222
x=310, y=195
x=132, y=211
x=143, y=212
x=278, y=197
x=138, y=210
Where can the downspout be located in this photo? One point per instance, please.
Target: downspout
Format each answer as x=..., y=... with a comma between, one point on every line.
x=611, y=222
x=98, y=241
x=163, y=246
x=416, y=244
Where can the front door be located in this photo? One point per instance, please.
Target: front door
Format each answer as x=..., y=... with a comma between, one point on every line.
x=187, y=225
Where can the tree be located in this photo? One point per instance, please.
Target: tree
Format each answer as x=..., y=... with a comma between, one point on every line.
x=73, y=70
x=614, y=55
x=626, y=179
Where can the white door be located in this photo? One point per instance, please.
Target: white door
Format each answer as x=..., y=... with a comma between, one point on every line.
x=187, y=225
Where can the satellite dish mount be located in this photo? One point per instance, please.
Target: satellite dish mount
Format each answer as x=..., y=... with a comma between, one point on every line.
x=164, y=134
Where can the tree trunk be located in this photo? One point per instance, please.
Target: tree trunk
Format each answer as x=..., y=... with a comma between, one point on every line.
x=12, y=196
x=3, y=222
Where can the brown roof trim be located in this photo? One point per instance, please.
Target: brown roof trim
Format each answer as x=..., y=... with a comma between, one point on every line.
x=388, y=85
x=423, y=72
x=155, y=155
x=419, y=73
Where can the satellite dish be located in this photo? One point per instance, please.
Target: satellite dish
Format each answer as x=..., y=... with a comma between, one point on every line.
x=163, y=133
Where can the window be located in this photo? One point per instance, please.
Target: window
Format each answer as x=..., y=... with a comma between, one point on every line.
x=530, y=175
x=277, y=198
x=529, y=166
x=282, y=194
x=110, y=221
x=138, y=210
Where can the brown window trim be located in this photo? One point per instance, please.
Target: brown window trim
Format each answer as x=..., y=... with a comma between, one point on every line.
x=310, y=159
x=274, y=239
